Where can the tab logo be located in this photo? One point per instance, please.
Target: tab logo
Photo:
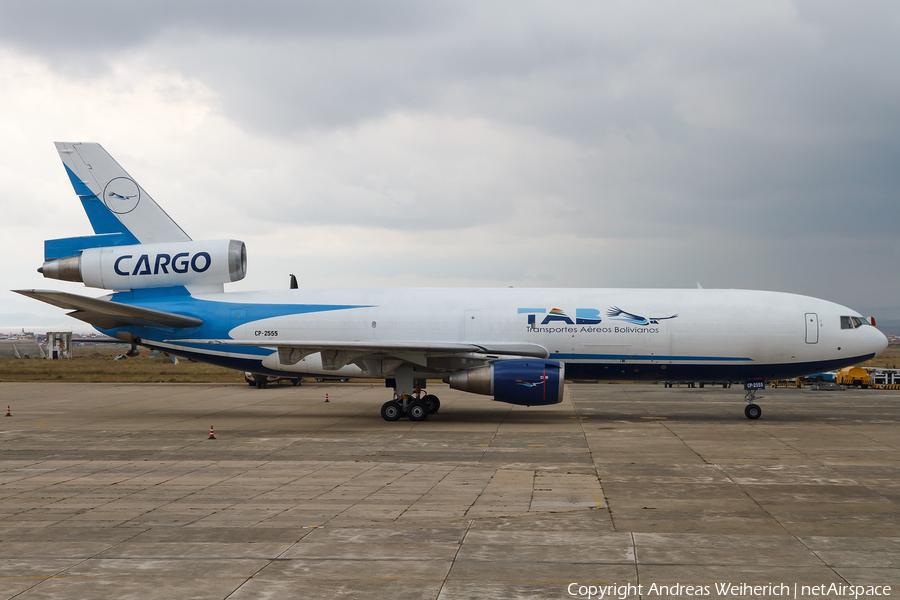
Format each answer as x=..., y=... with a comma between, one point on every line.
x=617, y=314
x=589, y=316
x=583, y=316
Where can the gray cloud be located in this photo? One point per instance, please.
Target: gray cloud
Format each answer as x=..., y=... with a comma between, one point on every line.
x=734, y=135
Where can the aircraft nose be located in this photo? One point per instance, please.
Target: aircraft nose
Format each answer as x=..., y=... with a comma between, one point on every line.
x=879, y=342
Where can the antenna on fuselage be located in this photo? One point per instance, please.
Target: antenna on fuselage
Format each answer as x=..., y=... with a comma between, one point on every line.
x=294, y=285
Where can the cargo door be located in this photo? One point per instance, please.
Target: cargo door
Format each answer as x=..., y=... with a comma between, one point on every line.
x=812, y=328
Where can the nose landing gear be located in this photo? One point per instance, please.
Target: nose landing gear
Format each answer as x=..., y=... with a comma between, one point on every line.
x=752, y=410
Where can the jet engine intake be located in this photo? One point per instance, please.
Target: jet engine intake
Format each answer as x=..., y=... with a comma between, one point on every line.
x=525, y=381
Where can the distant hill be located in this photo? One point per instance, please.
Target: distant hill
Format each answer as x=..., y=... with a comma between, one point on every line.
x=888, y=326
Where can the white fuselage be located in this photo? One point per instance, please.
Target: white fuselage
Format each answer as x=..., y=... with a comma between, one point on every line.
x=729, y=331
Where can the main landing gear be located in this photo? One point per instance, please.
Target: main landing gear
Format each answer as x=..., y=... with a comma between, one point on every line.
x=752, y=411
x=408, y=399
x=416, y=407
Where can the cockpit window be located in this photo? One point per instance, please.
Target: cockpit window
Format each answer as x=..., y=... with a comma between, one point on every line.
x=852, y=322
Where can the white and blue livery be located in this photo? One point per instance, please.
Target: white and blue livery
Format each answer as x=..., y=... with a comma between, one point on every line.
x=517, y=345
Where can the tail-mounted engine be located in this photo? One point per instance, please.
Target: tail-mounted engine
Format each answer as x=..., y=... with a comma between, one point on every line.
x=153, y=265
x=530, y=382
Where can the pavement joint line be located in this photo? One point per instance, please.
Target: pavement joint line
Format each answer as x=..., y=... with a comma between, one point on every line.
x=261, y=464
x=455, y=557
x=780, y=524
x=276, y=559
x=147, y=512
x=612, y=520
x=61, y=573
x=132, y=576
x=634, y=561
x=871, y=439
x=373, y=465
x=801, y=467
x=91, y=491
x=534, y=475
x=686, y=444
x=422, y=495
x=698, y=455
x=262, y=493
x=829, y=467
x=494, y=436
x=292, y=481
x=150, y=487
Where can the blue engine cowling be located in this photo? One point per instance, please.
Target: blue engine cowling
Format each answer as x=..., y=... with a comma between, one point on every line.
x=524, y=381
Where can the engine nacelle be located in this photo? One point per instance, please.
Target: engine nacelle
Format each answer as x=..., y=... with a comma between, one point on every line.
x=153, y=265
x=527, y=381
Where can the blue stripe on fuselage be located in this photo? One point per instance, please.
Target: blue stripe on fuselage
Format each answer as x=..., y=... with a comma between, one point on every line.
x=217, y=316
x=562, y=356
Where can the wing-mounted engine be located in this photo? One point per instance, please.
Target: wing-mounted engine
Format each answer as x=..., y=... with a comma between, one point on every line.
x=152, y=265
x=529, y=382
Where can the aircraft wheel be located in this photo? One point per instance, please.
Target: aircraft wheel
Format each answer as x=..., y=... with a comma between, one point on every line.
x=391, y=411
x=432, y=403
x=251, y=383
x=752, y=411
x=417, y=410
x=297, y=381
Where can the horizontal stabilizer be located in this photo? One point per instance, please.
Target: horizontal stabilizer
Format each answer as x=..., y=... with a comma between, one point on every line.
x=63, y=247
x=106, y=314
x=498, y=348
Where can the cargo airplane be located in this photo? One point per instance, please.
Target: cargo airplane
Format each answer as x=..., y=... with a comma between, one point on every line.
x=517, y=345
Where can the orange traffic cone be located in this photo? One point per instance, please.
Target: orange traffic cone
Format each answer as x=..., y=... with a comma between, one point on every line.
x=8, y=414
x=212, y=436
x=326, y=396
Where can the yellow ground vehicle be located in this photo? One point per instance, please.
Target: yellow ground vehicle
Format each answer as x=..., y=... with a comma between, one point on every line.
x=786, y=383
x=856, y=376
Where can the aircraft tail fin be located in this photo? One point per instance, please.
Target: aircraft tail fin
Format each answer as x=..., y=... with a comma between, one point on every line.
x=116, y=205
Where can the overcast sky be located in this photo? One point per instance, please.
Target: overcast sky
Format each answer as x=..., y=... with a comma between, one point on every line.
x=568, y=144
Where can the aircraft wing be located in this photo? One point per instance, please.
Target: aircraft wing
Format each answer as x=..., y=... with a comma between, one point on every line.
x=292, y=351
x=106, y=314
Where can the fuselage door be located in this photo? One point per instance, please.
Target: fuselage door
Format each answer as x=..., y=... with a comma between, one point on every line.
x=812, y=328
